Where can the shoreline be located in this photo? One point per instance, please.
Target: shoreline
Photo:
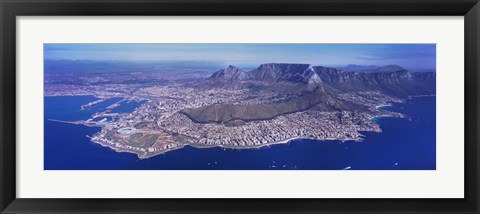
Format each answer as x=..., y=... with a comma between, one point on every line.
x=142, y=155
x=286, y=141
x=145, y=155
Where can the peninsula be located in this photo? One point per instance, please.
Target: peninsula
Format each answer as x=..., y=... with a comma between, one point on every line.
x=232, y=108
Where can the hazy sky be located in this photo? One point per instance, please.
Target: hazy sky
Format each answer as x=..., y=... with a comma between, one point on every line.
x=413, y=56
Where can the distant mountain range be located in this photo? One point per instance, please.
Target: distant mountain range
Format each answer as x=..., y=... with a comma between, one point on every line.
x=374, y=68
x=312, y=87
x=359, y=68
x=390, y=79
x=93, y=66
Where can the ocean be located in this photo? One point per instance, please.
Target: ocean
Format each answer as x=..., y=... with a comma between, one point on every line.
x=404, y=144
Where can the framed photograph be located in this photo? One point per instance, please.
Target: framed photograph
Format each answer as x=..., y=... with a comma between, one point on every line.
x=248, y=107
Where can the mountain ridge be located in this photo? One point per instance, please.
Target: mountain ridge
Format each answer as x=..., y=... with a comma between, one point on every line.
x=390, y=79
x=309, y=87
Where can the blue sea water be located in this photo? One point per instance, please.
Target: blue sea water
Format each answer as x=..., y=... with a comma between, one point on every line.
x=405, y=144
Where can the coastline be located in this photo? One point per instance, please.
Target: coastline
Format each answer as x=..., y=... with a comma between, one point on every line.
x=145, y=155
x=286, y=141
x=140, y=155
x=316, y=155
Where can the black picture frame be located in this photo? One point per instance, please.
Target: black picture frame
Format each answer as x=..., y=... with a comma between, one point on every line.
x=10, y=9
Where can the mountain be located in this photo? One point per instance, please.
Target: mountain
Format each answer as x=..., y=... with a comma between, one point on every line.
x=371, y=68
x=230, y=74
x=389, y=68
x=269, y=73
x=359, y=68
x=276, y=72
x=391, y=79
x=230, y=114
x=309, y=87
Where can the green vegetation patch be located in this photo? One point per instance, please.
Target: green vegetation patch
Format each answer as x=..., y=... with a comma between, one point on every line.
x=142, y=140
x=136, y=136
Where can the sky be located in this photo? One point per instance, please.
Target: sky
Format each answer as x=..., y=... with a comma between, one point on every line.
x=411, y=56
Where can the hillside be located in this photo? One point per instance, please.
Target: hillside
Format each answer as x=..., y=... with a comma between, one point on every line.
x=315, y=88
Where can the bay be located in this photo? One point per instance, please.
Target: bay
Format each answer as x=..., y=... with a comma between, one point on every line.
x=404, y=144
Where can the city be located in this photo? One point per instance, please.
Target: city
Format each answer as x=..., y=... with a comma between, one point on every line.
x=163, y=122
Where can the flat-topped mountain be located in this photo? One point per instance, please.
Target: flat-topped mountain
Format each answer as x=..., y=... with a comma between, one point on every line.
x=358, y=68
x=269, y=73
x=389, y=68
x=275, y=72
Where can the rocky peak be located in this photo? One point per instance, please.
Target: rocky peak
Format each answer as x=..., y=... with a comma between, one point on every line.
x=315, y=79
x=231, y=73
